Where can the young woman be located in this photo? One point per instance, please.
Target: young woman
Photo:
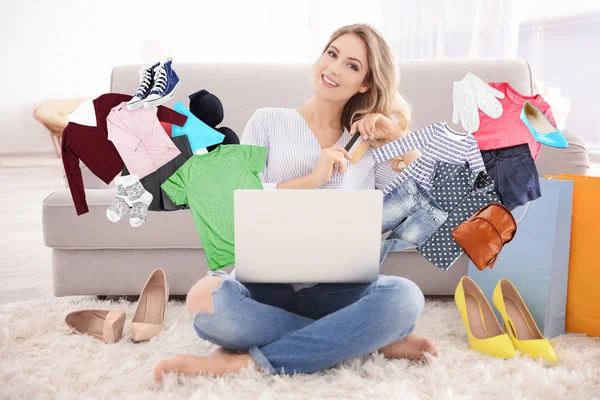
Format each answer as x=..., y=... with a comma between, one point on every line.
x=304, y=328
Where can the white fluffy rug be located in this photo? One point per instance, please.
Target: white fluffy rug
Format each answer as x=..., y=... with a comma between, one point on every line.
x=40, y=359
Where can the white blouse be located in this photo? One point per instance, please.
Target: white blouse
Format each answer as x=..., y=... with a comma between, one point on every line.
x=293, y=152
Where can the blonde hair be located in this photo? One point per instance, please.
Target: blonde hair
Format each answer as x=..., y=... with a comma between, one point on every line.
x=382, y=78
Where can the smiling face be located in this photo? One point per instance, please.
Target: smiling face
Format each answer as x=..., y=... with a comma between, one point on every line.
x=341, y=70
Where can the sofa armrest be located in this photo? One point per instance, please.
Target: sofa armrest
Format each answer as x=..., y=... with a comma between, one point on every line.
x=571, y=160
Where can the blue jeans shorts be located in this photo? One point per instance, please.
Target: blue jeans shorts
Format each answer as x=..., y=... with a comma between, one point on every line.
x=515, y=175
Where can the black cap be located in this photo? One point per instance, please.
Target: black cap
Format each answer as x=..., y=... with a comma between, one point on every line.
x=206, y=107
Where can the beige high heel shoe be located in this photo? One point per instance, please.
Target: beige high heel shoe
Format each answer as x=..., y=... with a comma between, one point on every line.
x=149, y=318
x=106, y=325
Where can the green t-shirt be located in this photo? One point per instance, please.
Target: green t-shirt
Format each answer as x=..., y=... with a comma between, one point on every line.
x=206, y=183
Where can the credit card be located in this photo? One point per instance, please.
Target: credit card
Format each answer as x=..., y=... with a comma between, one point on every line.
x=356, y=147
x=354, y=140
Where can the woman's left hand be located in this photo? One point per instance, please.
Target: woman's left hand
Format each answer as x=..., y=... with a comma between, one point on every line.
x=376, y=126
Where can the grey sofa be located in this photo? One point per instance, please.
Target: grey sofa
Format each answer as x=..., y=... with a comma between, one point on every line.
x=93, y=256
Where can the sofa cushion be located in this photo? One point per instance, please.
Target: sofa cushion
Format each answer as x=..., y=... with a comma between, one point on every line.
x=65, y=230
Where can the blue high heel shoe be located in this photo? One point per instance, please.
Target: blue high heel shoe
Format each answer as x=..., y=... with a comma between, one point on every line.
x=541, y=128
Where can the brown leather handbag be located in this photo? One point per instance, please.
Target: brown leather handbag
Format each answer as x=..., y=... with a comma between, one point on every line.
x=484, y=234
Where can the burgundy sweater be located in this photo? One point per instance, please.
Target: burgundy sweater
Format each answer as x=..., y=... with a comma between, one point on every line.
x=90, y=144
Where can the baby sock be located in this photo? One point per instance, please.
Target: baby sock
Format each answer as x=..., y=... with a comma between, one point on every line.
x=120, y=204
x=140, y=200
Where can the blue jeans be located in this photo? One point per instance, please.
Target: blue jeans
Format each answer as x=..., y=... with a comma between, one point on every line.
x=313, y=329
x=413, y=216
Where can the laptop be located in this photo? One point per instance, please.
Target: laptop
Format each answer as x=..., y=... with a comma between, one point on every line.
x=299, y=235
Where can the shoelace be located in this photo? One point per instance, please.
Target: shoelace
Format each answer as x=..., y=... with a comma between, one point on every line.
x=145, y=79
x=160, y=80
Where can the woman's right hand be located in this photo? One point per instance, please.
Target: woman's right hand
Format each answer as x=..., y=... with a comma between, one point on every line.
x=332, y=159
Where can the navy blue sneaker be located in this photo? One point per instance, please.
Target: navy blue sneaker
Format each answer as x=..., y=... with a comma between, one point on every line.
x=146, y=83
x=166, y=83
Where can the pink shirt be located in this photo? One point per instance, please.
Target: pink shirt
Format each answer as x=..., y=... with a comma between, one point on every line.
x=140, y=139
x=509, y=130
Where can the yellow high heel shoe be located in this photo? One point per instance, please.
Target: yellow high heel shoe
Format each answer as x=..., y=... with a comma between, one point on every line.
x=519, y=323
x=483, y=329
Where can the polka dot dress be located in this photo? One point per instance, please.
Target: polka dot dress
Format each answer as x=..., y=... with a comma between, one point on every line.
x=461, y=193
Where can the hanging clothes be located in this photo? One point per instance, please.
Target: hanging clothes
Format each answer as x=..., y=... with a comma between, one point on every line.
x=437, y=143
x=509, y=130
x=140, y=139
x=90, y=144
x=461, y=192
x=206, y=183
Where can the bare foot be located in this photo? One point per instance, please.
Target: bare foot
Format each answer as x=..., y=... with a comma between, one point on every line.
x=217, y=364
x=412, y=346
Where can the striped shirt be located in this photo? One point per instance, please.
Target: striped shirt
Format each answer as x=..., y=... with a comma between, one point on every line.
x=438, y=143
x=293, y=152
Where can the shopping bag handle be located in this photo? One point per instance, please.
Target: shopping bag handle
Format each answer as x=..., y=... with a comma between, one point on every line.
x=524, y=212
x=492, y=262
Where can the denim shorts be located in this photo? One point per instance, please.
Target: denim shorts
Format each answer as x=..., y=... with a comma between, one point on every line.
x=515, y=175
x=412, y=215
